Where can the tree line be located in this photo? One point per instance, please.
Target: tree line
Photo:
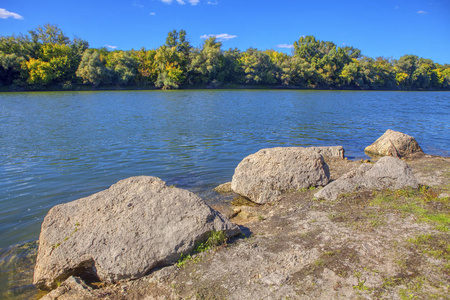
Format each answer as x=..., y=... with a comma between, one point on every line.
x=47, y=59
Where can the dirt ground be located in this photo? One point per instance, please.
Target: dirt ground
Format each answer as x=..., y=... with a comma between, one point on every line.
x=370, y=245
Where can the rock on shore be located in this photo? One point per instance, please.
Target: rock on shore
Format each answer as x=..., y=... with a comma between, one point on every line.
x=387, y=173
x=360, y=247
x=266, y=174
x=394, y=143
x=123, y=232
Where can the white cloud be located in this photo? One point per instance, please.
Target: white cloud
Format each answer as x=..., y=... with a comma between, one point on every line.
x=152, y=13
x=220, y=37
x=421, y=12
x=111, y=47
x=213, y=2
x=287, y=46
x=181, y=2
x=137, y=4
x=4, y=14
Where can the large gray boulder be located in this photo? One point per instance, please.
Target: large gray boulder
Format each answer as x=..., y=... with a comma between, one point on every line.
x=123, y=232
x=266, y=174
x=394, y=143
x=387, y=173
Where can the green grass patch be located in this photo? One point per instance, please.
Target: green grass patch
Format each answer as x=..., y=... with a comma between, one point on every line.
x=437, y=246
x=423, y=203
x=215, y=239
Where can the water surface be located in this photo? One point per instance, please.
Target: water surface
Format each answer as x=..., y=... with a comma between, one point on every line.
x=59, y=146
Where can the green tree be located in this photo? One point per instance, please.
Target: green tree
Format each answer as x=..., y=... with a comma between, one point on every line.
x=170, y=73
x=385, y=76
x=258, y=67
x=10, y=68
x=92, y=70
x=146, y=66
x=54, y=65
x=178, y=40
x=405, y=68
x=206, y=64
x=325, y=57
x=123, y=67
x=231, y=71
x=49, y=34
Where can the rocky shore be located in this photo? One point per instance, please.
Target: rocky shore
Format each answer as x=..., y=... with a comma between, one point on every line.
x=306, y=224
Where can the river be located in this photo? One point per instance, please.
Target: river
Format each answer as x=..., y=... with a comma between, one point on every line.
x=56, y=147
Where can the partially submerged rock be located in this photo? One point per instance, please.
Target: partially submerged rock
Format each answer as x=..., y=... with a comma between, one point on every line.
x=265, y=175
x=394, y=143
x=387, y=173
x=123, y=232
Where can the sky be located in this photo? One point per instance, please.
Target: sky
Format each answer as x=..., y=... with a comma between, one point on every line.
x=388, y=28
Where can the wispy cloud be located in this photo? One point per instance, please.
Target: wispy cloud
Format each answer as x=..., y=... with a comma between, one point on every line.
x=111, y=47
x=421, y=12
x=213, y=2
x=4, y=14
x=137, y=4
x=287, y=46
x=181, y=2
x=152, y=14
x=220, y=37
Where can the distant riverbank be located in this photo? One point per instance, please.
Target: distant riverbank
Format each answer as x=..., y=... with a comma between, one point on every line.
x=81, y=88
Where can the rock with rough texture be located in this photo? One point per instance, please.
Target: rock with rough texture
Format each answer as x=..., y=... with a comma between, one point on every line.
x=265, y=175
x=123, y=232
x=394, y=143
x=72, y=288
x=387, y=173
x=332, y=151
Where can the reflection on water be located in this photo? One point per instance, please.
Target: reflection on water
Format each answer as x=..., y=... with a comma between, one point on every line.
x=57, y=147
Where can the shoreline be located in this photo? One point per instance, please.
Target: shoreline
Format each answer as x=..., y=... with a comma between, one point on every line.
x=262, y=226
x=82, y=88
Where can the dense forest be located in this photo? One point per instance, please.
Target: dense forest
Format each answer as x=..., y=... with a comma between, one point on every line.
x=46, y=59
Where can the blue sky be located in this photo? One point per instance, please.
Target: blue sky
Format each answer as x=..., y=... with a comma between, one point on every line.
x=379, y=27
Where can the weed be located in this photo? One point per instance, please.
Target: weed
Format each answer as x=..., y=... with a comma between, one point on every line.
x=319, y=262
x=311, y=188
x=422, y=203
x=215, y=239
x=437, y=246
x=413, y=288
x=67, y=237
x=361, y=282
